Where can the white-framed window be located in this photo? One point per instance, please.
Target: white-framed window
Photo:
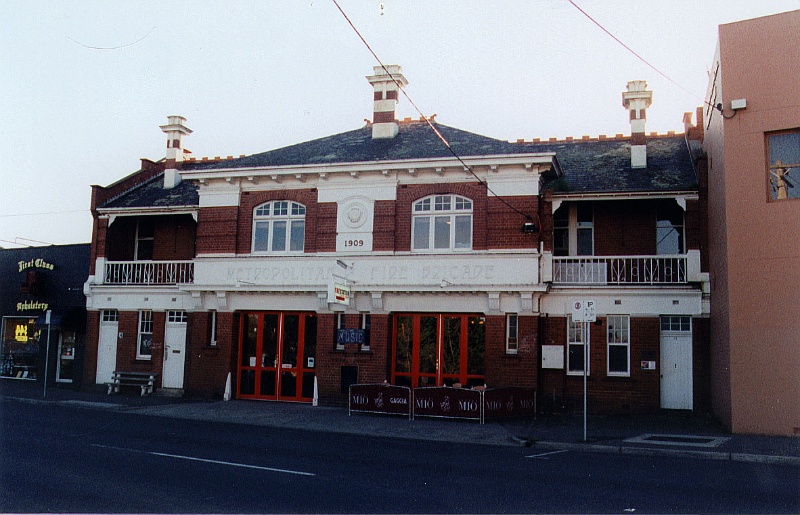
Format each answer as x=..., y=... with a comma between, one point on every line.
x=576, y=339
x=366, y=325
x=279, y=227
x=109, y=315
x=338, y=325
x=144, y=342
x=442, y=223
x=619, y=345
x=680, y=323
x=512, y=333
x=177, y=317
x=212, y=336
x=573, y=229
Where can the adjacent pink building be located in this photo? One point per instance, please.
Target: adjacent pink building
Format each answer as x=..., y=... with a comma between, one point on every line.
x=752, y=139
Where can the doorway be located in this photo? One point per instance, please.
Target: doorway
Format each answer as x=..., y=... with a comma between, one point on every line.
x=277, y=356
x=438, y=350
x=174, y=350
x=107, y=345
x=676, y=363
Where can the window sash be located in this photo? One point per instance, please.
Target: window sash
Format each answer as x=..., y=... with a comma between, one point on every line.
x=575, y=351
x=279, y=227
x=442, y=222
x=512, y=334
x=144, y=340
x=618, y=361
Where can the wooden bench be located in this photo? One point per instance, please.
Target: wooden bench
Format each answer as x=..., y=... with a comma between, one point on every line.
x=144, y=380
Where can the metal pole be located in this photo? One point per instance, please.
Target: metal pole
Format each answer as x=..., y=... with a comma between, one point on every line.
x=585, y=369
x=47, y=355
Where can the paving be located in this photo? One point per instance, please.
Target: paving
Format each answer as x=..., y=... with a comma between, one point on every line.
x=666, y=434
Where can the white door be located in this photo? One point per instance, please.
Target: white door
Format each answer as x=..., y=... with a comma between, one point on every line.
x=676, y=371
x=107, y=347
x=174, y=350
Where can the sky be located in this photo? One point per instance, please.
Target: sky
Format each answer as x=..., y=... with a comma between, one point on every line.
x=84, y=85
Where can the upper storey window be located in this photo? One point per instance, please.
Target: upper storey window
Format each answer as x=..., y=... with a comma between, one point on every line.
x=784, y=164
x=279, y=227
x=442, y=222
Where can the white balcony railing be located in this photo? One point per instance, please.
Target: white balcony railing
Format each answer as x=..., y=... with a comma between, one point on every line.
x=148, y=272
x=616, y=270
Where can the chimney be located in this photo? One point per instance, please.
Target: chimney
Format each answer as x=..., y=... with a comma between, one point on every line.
x=174, y=129
x=387, y=89
x=636, y=100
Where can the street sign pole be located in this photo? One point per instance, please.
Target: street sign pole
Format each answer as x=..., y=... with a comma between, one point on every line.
x=585, y=327
x=47, y=353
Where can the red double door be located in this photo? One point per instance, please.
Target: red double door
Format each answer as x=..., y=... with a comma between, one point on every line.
x=277, y=353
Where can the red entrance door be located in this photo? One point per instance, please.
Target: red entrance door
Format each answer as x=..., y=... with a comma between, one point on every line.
x=277, y=353
x=437, y=350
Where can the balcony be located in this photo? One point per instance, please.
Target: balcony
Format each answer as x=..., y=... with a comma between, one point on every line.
x=148, y=273
x=624, y=270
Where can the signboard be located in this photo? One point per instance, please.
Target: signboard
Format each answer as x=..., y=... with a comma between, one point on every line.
x=339, y=291
x=380, y=398
x=584, y=310
x=344, y=336
x=509, y=402
x=447, y=402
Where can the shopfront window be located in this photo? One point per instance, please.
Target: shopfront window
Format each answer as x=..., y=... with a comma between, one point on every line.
x=439, y=350
x=19, y=358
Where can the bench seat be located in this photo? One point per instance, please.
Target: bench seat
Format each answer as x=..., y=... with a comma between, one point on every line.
x=144, y=380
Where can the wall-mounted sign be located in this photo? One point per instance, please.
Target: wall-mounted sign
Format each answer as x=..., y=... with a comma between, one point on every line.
x=344, y=336
x=31, y=306
x=35, y=263
x=338, y=292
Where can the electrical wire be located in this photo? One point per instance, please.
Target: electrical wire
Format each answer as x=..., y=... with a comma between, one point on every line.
x=645, y=61
x=428, y=121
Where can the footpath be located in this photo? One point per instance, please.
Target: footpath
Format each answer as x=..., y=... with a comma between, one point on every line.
x=665, y=434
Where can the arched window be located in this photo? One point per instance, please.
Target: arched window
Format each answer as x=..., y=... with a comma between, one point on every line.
x=442, y=222
x=279, y=227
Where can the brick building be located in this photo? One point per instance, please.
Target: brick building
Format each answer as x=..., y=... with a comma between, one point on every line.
x=380, y=255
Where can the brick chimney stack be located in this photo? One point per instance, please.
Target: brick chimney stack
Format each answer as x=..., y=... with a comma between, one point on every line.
x=174, y=129
x=636, y=100
x=387, y=90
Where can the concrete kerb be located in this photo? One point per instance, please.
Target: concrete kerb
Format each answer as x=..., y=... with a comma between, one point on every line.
x=678, y=453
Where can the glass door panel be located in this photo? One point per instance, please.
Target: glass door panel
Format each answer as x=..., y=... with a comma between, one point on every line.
x=428, y=351
x=451, y=350
x=248, y=355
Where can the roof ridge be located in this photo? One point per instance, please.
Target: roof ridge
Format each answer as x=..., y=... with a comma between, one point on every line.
x=601, y=137
x=132, y=188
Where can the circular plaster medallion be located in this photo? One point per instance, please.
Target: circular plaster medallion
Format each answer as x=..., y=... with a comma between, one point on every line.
x=355, y=215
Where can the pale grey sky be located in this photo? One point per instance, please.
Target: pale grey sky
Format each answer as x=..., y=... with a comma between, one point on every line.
x=84, y=85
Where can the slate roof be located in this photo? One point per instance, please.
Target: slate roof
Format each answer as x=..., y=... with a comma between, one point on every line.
x=416, y=140
x=605, y=166
x=152, y=194
x=588, y=166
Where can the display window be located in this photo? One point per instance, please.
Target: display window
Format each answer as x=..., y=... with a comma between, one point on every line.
x=19, y=353
x=439, y=350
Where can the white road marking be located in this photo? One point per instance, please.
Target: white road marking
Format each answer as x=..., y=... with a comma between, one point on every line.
x=545, y=454
x=217, y=462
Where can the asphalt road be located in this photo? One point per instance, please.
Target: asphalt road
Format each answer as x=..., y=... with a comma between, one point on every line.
x=56, y=458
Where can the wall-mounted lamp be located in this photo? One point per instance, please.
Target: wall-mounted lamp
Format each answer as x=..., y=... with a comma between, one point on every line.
x=344, y=265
